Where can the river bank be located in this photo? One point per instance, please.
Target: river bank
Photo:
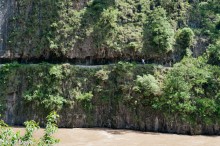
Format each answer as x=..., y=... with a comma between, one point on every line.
x=110, y=137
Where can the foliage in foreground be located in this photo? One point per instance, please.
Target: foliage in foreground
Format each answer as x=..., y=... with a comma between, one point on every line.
x=9, y=138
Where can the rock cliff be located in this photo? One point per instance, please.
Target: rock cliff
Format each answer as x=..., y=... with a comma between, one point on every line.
x=99, y=30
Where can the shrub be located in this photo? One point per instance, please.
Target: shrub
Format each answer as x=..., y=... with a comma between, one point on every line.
x=214, y=53
x=159, y=32
x=185, y=38
x=9, y=138
x=148, y=85
x=187, y=91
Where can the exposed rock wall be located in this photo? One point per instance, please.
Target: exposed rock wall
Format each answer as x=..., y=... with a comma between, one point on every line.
x=82, y=31
x=114, y=104
x=119, y=116
x=6, y=11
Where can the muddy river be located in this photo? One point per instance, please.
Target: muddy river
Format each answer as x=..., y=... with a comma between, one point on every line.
x=109, y=137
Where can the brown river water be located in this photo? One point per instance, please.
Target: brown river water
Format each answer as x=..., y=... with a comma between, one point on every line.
x=109, y=137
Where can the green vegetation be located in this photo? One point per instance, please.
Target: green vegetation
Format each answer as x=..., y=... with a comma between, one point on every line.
x=159, y=32
x=167, y=30
x=123, y=28
x=214, y=53
x=50, y=87
x=9, y=138
x=189, y=90
x=185, y=39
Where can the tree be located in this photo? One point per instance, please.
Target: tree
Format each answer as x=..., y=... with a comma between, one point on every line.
x=191, y=91
x=185, y=38
x=159, y=33
x=214, y=53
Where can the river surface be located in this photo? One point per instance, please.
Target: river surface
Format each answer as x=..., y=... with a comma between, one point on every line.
x=109, y=137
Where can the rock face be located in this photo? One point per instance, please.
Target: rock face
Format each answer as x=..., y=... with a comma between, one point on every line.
x=83, y=30
x=105, y=115
x=93, y=32
x=111, y=106
x=6, y=11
